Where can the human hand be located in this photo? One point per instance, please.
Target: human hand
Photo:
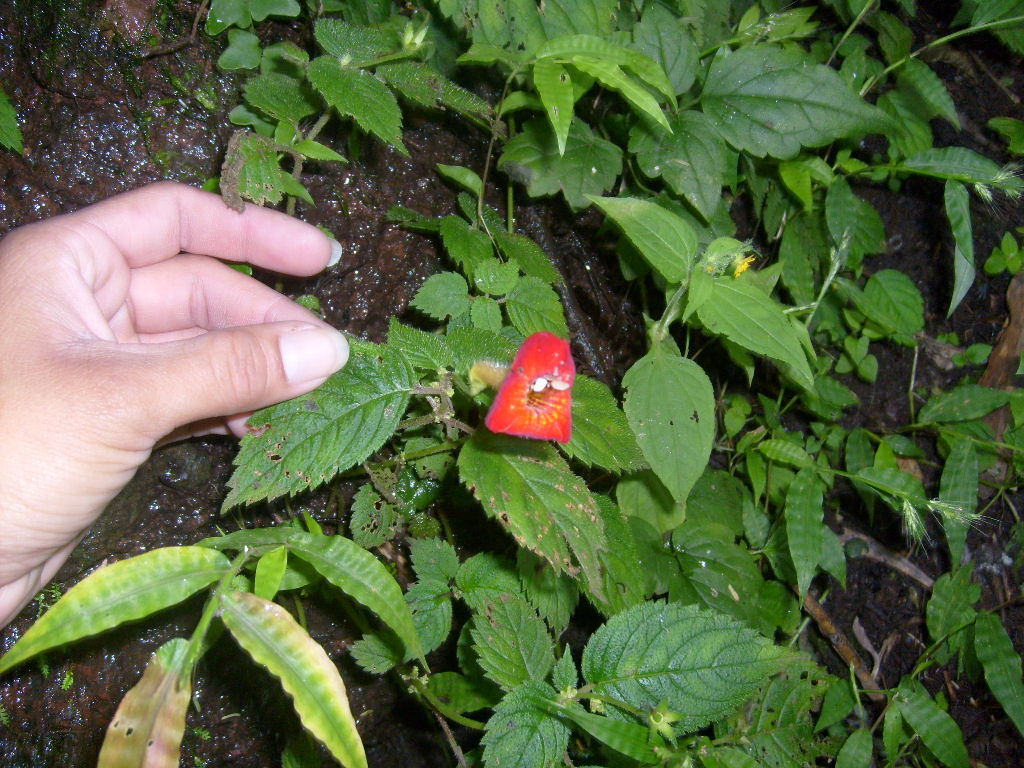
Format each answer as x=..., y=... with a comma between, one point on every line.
x=118, y=331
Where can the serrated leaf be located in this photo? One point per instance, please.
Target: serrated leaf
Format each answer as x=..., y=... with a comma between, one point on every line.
x=512, y=643
x=469, y=345
x=273, y=639
x=150, y=720
x=625, y=579
x=690, y=159
x=741, y=312
x=469, y=247
x=433, y=559
x=697, y=663
x=964, y=403
x=528, y=256
x=486, y=578
x=958, y=211
x=10, y=133
x=554, y=595
x=421, y=349
x=353, y=44
x=891, y=300
x=1001, y=664
x=770, y=101
x=301, y=443
x=961, y=164
x=670, y=406
x=572, y=48
x=929, y=87
x=243, y=51
x=600, y=431
x=522, y=733
x=252, y=170
x=588, y=166
x=422, y=85
x=564, y=674
x=356, y=93
x=804, y=521
x=852, y=221
x=372, y=520
x=557, y=94
x=528, y=487
x=495, y=277
x=533, y=306
x=485, y=313
x=442, y=295
x=665, y=241
x=118, y=593
x=280, y=96
x=937, y=729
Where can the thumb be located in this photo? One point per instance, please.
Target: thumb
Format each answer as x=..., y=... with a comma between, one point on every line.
x=233, y=370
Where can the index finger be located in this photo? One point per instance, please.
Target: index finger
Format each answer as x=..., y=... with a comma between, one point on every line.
x=161, y=220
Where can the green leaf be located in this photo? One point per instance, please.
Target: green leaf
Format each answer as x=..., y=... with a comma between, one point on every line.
x=690, y=159
x=600, y=431
x=261, y=9
x=741, y=312
x=528, y=256
x=356, y=93
x=665, y=241
x=458, y=692
x=612, y=77
x=469, y=345
x=667, y=40
x=442, y=295
x=512, y=643
x=227, y=13
x=534, y=306
x=572, y=48
x=280, y=96
x=528, y=487
x=804, y=521
x=421, y=349
x=961, y=164
x=269, y=573
x=350, y=43
x=564, y=674
x=937, y=729
x=1012, y=131
x=950, y=608
x=10, y=133
x=273, y=639
x=485, y=313
x=588, y=166
x=891, y=300
x=853, y=222
x=625, y=580
x=644, y=496
x=769, y=101
x=929, y=88
x=554, y=595
x=433, y=559
x=557, y=94
x=959, y=486
x=958, y=211
x=486, y=578
x=856, y=751
x=670, y=406
x=252, y=170
x=118, y=593
x=314, y=150
x=301, y=443
x=422, y=85
x=785, y=452
x=372, y=520
x=243, y=51
x=469, y=247
x=628, y=738
x=699, y=664
x=150, y=720
x=464, y=177
x=964, y=403
x=1001, y=664
x=522, y=733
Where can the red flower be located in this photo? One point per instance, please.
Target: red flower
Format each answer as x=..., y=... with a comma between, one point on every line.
x=535, y=399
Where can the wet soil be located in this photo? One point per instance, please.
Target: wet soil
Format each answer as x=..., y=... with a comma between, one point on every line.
x=100, y=117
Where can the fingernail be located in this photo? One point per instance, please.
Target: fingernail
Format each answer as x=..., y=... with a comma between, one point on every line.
x=312, y=353
x=336, y=251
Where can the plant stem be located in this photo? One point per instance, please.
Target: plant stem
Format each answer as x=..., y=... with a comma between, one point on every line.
x=195, y=643
x=672, y=311
x=849, y=30
x=441, y=707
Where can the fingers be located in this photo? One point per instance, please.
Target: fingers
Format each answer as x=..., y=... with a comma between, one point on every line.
x=195, y=292
x=159, y=221
x=224, y=372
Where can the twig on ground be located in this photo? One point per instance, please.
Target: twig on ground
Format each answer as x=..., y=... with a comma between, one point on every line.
x=843, y=647
x=879, y=553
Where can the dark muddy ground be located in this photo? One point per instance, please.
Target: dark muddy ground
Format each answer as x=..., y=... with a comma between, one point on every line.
x=100, y=118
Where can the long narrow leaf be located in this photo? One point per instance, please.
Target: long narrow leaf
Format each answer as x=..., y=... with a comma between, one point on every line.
x=1001, y=664
x=274, y=640
x=149, y=723
x=937, y=729
x=958, y=211
x=117, y=593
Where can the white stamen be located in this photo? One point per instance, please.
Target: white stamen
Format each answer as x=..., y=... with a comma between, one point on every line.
x=559, y=385
x=539, y=384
